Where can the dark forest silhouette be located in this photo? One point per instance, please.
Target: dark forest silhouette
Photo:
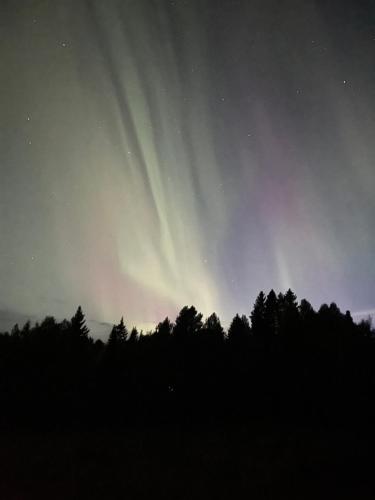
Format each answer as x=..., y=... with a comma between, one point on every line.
x=286, y=362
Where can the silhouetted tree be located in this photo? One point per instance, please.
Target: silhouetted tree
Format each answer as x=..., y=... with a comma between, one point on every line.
x=306, y=310
x=212, y=327
x=16, y=332
x=365, y=327
x=271, y=315
x=290, y=303
x=65, y=326
x=188, y=322
x=134, y=335
x=164, y=329
x=49, y=326
x=258, y=315
x=348, y=318
x=25, y=332
x=289, y=315
x=78, y=325
x=118, y=335
x=239, y=330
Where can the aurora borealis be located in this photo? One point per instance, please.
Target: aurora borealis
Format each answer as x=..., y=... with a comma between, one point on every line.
x=157, y=153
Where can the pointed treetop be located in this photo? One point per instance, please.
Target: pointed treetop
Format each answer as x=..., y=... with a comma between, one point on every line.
x=78, y=323
x=290, y=298
x=134, y=335
x=213, y=326
x=258, y=312
x=164, y=328
x=119, y=333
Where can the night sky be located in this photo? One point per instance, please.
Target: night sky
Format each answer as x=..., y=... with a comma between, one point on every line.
x=156, y=154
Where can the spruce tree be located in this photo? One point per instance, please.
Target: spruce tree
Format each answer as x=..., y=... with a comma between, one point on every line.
x=271, y=314
x=119, y=334
x=134, y=335
x=258, y=315
x=212, y=327
x=164, y=328
x=78, y=325
x=188, y=322
x=239, y=330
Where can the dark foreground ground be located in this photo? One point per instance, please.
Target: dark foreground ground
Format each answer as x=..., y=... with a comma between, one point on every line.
x=194, y=463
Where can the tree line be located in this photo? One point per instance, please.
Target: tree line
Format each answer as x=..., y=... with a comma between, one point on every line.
x=284, y=362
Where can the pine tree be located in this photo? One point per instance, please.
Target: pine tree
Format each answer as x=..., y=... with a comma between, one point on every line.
x=119, y=334
x=212, y=327
x=78, y=325
x=25, y=332
x=134, y=335
x=258, y=315
x=188, y=322
x=306, y=310
x=290, y=302
x=16, y=332
x=271, y=314
x=239, y=330
x=164, y=328
x=289, y=315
